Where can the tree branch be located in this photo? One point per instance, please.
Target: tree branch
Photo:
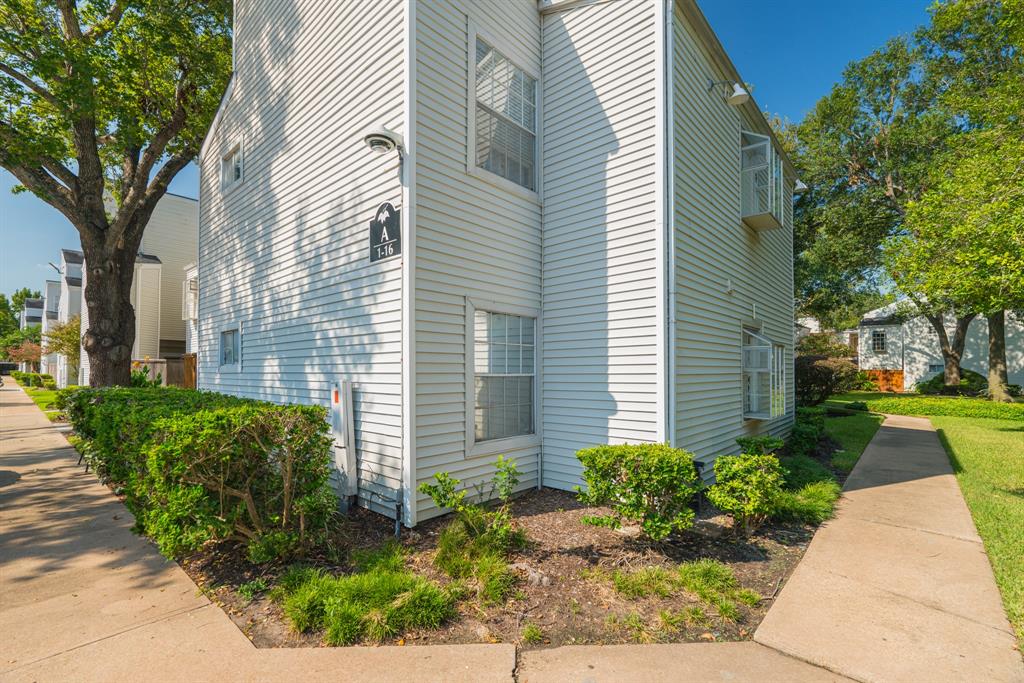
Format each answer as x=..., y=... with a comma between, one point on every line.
x=69, y=19
x=108, y=23
x=32, y=85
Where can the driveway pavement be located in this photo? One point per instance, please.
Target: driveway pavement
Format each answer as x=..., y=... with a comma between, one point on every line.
x=84, y=599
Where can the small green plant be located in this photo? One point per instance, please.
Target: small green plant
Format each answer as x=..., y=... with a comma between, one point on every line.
x=857, y=405
x=747, y=488
x=270, y=546
x=531, y=633
x=651, y=484
x=250, y=589
x=812, y=503
x=643, y=582
x=844, y=461
x=506, y=478
x=760, y=445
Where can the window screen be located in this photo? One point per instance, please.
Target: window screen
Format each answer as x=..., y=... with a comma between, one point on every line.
x=503, y=363
x=230, y=347
x=764, y=377
x=506, y=114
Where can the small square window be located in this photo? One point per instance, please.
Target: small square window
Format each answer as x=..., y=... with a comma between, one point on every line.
x=878, y=341
x=231, y=348
x=231, y=168
x=935, y=367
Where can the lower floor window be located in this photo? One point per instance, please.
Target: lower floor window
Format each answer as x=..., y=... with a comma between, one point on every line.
x=764, y=377
x=230, y=347
x=503, y=364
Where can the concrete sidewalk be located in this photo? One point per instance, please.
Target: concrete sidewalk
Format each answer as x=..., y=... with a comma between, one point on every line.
x=897, y=587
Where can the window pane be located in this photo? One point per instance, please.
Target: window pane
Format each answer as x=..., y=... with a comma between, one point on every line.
x=506, y=116
x=503, y=396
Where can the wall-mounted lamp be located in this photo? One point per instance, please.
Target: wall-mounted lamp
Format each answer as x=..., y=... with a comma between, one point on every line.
x=382, y=140
x=735, y=94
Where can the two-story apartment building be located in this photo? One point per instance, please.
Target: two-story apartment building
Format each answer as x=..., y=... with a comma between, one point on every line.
x=512, y=227
x=51, y=301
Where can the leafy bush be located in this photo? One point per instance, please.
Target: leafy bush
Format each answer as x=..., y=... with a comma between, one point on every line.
x=49, y=384
x=199, y=466
x=476, y=544
x=29, y=379
x=746, y=488
x=652, y=484
x=818, y=377
x=823, y=344
x=863, y=382
x=971, y=384
x=140, y=379
x=857, y=405
x=953, y=406
x=800, y=470
x=760, y=445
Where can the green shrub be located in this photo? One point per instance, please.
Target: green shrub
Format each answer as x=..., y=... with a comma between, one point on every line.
x=531, y=633
x=199, y=466
x=140, y=379
x=857, y=405
x=818, y=377
x=18, y=376
x=822, y=344
x=250, y=589
x=49, y=384
x=971, y=384
x=652, y=484
x=800, y=470
x=812, y=503
x=952, y=406
x=863, y=382
x=476, y=544
x=760, y=445
x=746, y=488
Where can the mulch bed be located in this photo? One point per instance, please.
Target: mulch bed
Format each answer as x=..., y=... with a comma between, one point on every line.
x=557, y=590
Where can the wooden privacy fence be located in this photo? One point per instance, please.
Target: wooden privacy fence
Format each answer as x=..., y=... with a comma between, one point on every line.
x=189, y=371
x=887, y=380
x=170, y=371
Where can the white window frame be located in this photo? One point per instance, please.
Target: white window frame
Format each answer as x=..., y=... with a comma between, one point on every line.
x=777, y=376
x=229, y=327
x=885, y=341
x=227, y=181
x=512, y=53
x=476, y=448
x=190, y=299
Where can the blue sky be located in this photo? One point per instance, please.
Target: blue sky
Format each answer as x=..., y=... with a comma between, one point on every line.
x=790, y=51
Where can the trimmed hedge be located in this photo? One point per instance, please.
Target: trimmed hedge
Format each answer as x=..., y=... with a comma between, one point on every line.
x=197, y=466
x=952, y=406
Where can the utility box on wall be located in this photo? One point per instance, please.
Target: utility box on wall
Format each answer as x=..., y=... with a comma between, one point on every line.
x=343, y=431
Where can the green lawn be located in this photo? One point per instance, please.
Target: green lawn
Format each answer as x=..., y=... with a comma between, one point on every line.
x=853, y=432
x=988, y=457
x=916, y=404
x=44, y=398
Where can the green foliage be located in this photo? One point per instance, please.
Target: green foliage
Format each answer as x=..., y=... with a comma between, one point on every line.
x=250, y=589
x=954, y=406
x=863, y=382
x=800, y=470
x=477, y=543
x=644, y=582
x=200, y=466
x=381, y=600
x=760, y=445
x=531, y=633
x=66, y=339
x=652, y=484
x=812, y=503
x=140, y=379
x=971, y=384
x=19, y=339
x=746, y=488
x=818, y=377
x=807, y=431
x=857, y=405
x=823, y=344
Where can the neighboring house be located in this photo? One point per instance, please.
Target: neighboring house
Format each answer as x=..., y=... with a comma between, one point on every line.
x=169, y=244
x=145, y=296
x=579, y=232
x=31, y=313
x=190, y=307
x=51, y=299
x=899, y=351
x=69, y=304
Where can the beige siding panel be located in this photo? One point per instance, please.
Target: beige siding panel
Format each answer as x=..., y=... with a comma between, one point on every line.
x=473, y=238
x=172, y=235
x=713, y=250
x=285, y=252
x=146, y=298
x=600, y=269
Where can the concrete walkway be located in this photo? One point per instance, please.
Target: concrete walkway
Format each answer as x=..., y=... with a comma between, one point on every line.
x=898, y=586
x=84, y=599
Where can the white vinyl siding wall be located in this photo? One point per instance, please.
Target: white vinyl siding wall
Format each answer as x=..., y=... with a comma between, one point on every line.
x=146, y=299
x=600, y=323
x=713, y=252
x=286, y=251
x=172, y=235
x=474, y=238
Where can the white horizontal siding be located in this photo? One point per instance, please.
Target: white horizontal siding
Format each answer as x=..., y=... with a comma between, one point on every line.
x=713, y=250
x=172, y=235
x=473, y=238
x=286, y=252
x=600, y=269
x=146, y=299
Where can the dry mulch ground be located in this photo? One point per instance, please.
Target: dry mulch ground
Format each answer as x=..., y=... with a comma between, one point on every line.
x=559, y=590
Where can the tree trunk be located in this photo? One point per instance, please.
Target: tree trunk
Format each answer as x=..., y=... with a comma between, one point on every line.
x=110, y=335
x=997, y=376
x=952, y=349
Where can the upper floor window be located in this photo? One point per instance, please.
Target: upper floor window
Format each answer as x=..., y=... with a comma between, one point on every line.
x=231, y=168
x=506, y=118
x=761, y=182
x=878, y=341
x=764, y=377
x=190, y=299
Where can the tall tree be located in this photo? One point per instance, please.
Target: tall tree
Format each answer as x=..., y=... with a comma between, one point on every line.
x=102, y=102
x=19, y=296
x=65, y=339
x=8, y=318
